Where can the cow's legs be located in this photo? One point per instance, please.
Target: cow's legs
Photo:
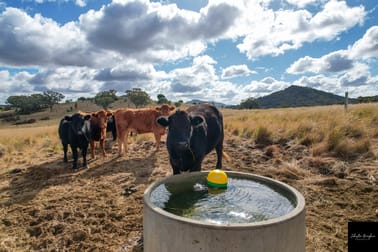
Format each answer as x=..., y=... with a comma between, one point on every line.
x=175, y=167
x=120, y=143
x=65, y=148
x=102, y=147
x=74, y=156
x=125, y=139
x=84, y=154
x=157, y=139
x=219, y=150
x=92, y=144
x=197, y=165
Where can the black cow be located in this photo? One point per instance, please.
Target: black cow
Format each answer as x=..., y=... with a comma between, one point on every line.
x=191, y=135
x=75, y=131
x=111, y=127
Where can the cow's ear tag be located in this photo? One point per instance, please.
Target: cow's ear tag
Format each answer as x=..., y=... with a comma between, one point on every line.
x=196, y=120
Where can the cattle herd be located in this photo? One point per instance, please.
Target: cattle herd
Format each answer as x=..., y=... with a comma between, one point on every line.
x=192, y=133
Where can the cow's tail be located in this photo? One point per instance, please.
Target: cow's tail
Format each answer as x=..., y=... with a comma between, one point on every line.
x=226, y=156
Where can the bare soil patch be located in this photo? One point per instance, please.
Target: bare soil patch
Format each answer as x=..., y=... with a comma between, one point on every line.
x=46, y=207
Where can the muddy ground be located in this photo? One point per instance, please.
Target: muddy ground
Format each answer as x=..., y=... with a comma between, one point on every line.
x=47, y=207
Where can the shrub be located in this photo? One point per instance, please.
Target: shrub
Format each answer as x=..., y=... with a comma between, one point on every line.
x=263, y=136
x=350, y=149
x=247, y=132
x=347, y=142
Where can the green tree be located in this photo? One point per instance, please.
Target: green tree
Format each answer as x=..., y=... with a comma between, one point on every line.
x=139, y=97
x=249, y=103
x=27, y=104
x=105, y=98
x=52, y=97
x=16, y=101
x=162, y=99
x=178, y=103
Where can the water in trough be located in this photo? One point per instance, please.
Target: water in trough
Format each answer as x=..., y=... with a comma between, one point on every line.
x=244, y=201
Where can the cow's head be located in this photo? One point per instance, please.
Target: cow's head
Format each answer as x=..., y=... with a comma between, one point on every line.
x=165, y=109
x=180, y=127
x=102, y=117
x=80, y=123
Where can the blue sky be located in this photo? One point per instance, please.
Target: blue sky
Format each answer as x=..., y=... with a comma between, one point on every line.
x=224, y=51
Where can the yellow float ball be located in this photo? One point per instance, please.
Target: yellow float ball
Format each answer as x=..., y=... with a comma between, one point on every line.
x=217, y=178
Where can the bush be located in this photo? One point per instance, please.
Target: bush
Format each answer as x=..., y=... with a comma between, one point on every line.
x=350, y=149
x=263, y=136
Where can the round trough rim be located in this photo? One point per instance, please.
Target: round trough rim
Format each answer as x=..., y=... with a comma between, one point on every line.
x=299, y=208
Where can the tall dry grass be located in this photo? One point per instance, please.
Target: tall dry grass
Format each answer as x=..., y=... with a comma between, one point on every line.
x=326, y=130
x=21, y=146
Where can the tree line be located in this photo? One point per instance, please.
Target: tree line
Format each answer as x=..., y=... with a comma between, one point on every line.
x=136, y=96
x=27, y=104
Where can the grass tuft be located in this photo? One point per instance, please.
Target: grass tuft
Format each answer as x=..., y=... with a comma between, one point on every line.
x=263, y=136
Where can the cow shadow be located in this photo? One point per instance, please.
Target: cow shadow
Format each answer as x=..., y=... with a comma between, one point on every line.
x=25, y=184
x=140, y=167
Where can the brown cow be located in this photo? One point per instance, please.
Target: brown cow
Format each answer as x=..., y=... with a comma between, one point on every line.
x=98, y=123
x=140, y=121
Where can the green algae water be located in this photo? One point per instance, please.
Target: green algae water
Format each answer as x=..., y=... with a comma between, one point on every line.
x=244, y=201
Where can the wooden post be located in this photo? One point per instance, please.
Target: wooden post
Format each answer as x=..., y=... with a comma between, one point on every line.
x=346, y=102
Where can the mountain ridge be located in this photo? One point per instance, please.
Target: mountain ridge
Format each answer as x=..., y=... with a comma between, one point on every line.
x=297, y=96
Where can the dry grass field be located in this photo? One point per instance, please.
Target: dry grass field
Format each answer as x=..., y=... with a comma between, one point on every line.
x=330, y=156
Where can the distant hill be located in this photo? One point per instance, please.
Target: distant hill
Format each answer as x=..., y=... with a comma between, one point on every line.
x=197, y=101
x=296, y=96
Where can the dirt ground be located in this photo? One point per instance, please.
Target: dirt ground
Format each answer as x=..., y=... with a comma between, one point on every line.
x=46, y=207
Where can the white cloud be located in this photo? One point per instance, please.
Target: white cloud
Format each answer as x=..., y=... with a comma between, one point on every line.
x=126, y=71
x=302, y=3
x=321, y=82
x=263, y=87
x=358, y=76
x=155, y=32
x=331, y=63
x=342, y=70
x=80, y=3
x=199, y=81
x=14, y=84
x=192, y=79
x=38, y=41
x=343, y=60
x=336, y=17
x=367, y=46
x=236, y=70
x=269, y=32
x=357, y=82
x=5, y=81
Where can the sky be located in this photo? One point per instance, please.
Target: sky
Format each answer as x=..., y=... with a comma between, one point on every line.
x=223, y=51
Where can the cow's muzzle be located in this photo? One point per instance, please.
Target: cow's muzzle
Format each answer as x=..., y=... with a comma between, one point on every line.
x=183, y=145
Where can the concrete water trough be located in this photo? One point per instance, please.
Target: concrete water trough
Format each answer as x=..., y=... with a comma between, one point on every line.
x=164, y=231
